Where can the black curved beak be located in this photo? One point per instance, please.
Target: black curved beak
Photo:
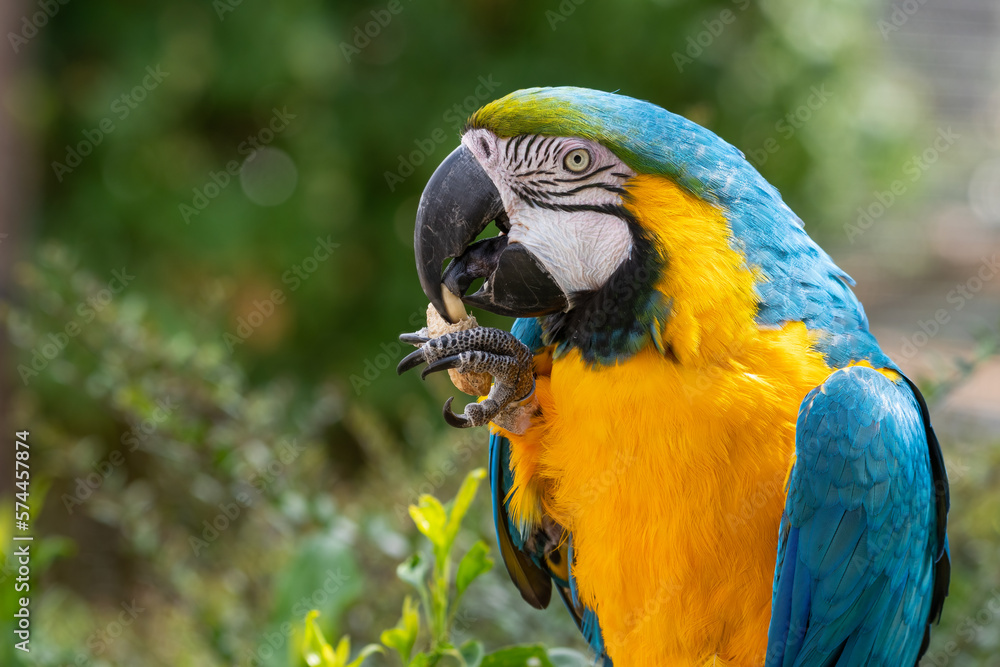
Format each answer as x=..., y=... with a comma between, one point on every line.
x=459, y=202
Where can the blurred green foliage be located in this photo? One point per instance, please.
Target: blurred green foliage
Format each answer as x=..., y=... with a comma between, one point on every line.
x=430, y=574
x=217, y=509
x=223, y=438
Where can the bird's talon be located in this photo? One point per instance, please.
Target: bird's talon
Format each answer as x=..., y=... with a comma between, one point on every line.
x=458, y=421
x=413, y=338
x=443, y=364
x=411, y=361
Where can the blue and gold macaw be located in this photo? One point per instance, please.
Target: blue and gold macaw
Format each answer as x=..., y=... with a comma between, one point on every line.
x=695, y=439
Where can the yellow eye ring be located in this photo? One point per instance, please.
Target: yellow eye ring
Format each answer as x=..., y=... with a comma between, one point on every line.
x=577, y=160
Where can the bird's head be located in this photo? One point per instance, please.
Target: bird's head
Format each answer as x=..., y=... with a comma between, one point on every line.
x=622, y=225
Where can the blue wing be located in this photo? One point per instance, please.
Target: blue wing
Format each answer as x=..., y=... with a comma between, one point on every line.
x=538, y=558
x=862, y=565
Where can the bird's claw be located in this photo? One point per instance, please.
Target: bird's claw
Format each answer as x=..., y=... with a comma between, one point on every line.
x=416, y=338
x=477, y=350
x=458, y=421
x=411, y=361
x=453, y=361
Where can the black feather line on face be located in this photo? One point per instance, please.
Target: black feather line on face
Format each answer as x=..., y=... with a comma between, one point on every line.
x=527, y=146
x=591, y=174
x=614, y=321
x=516, y=145
x=610, y=187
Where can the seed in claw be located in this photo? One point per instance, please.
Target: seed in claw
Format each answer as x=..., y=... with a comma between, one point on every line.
x=475, y=384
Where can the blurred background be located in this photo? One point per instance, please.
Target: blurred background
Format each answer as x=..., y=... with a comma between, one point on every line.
x=206, y=215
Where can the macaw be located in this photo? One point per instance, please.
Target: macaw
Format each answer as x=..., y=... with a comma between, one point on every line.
x=695, y=439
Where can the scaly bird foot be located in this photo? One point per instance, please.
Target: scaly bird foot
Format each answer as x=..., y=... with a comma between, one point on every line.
x=477, y=350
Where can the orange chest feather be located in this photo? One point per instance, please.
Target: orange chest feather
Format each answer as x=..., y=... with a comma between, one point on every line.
x=671, y=480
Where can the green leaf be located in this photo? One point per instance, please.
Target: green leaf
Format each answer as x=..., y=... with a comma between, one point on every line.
x=402, y=637
x=461, y=505
x=420, y=660
x=518, y=656
x=315, y=650
x=475, y=563
x=472, y=653
x=364, y=653
x=318, y=653
x=431, y=519
x=343, y=650
x=413, y=571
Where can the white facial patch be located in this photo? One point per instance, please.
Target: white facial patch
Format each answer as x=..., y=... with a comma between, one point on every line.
x=561, y=195
x=580, y=249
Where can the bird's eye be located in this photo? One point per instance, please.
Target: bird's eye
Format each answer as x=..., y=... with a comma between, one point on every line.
x=577, y=160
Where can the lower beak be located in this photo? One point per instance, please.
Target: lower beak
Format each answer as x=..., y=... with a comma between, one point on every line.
x=459, y=202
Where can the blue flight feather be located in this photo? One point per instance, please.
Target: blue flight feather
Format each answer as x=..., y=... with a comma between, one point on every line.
x=855, y=576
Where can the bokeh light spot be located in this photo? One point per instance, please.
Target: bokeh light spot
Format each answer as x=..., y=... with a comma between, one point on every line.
x=268, y=177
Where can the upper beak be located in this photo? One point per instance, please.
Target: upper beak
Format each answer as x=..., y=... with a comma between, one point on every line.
x=459, y=202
